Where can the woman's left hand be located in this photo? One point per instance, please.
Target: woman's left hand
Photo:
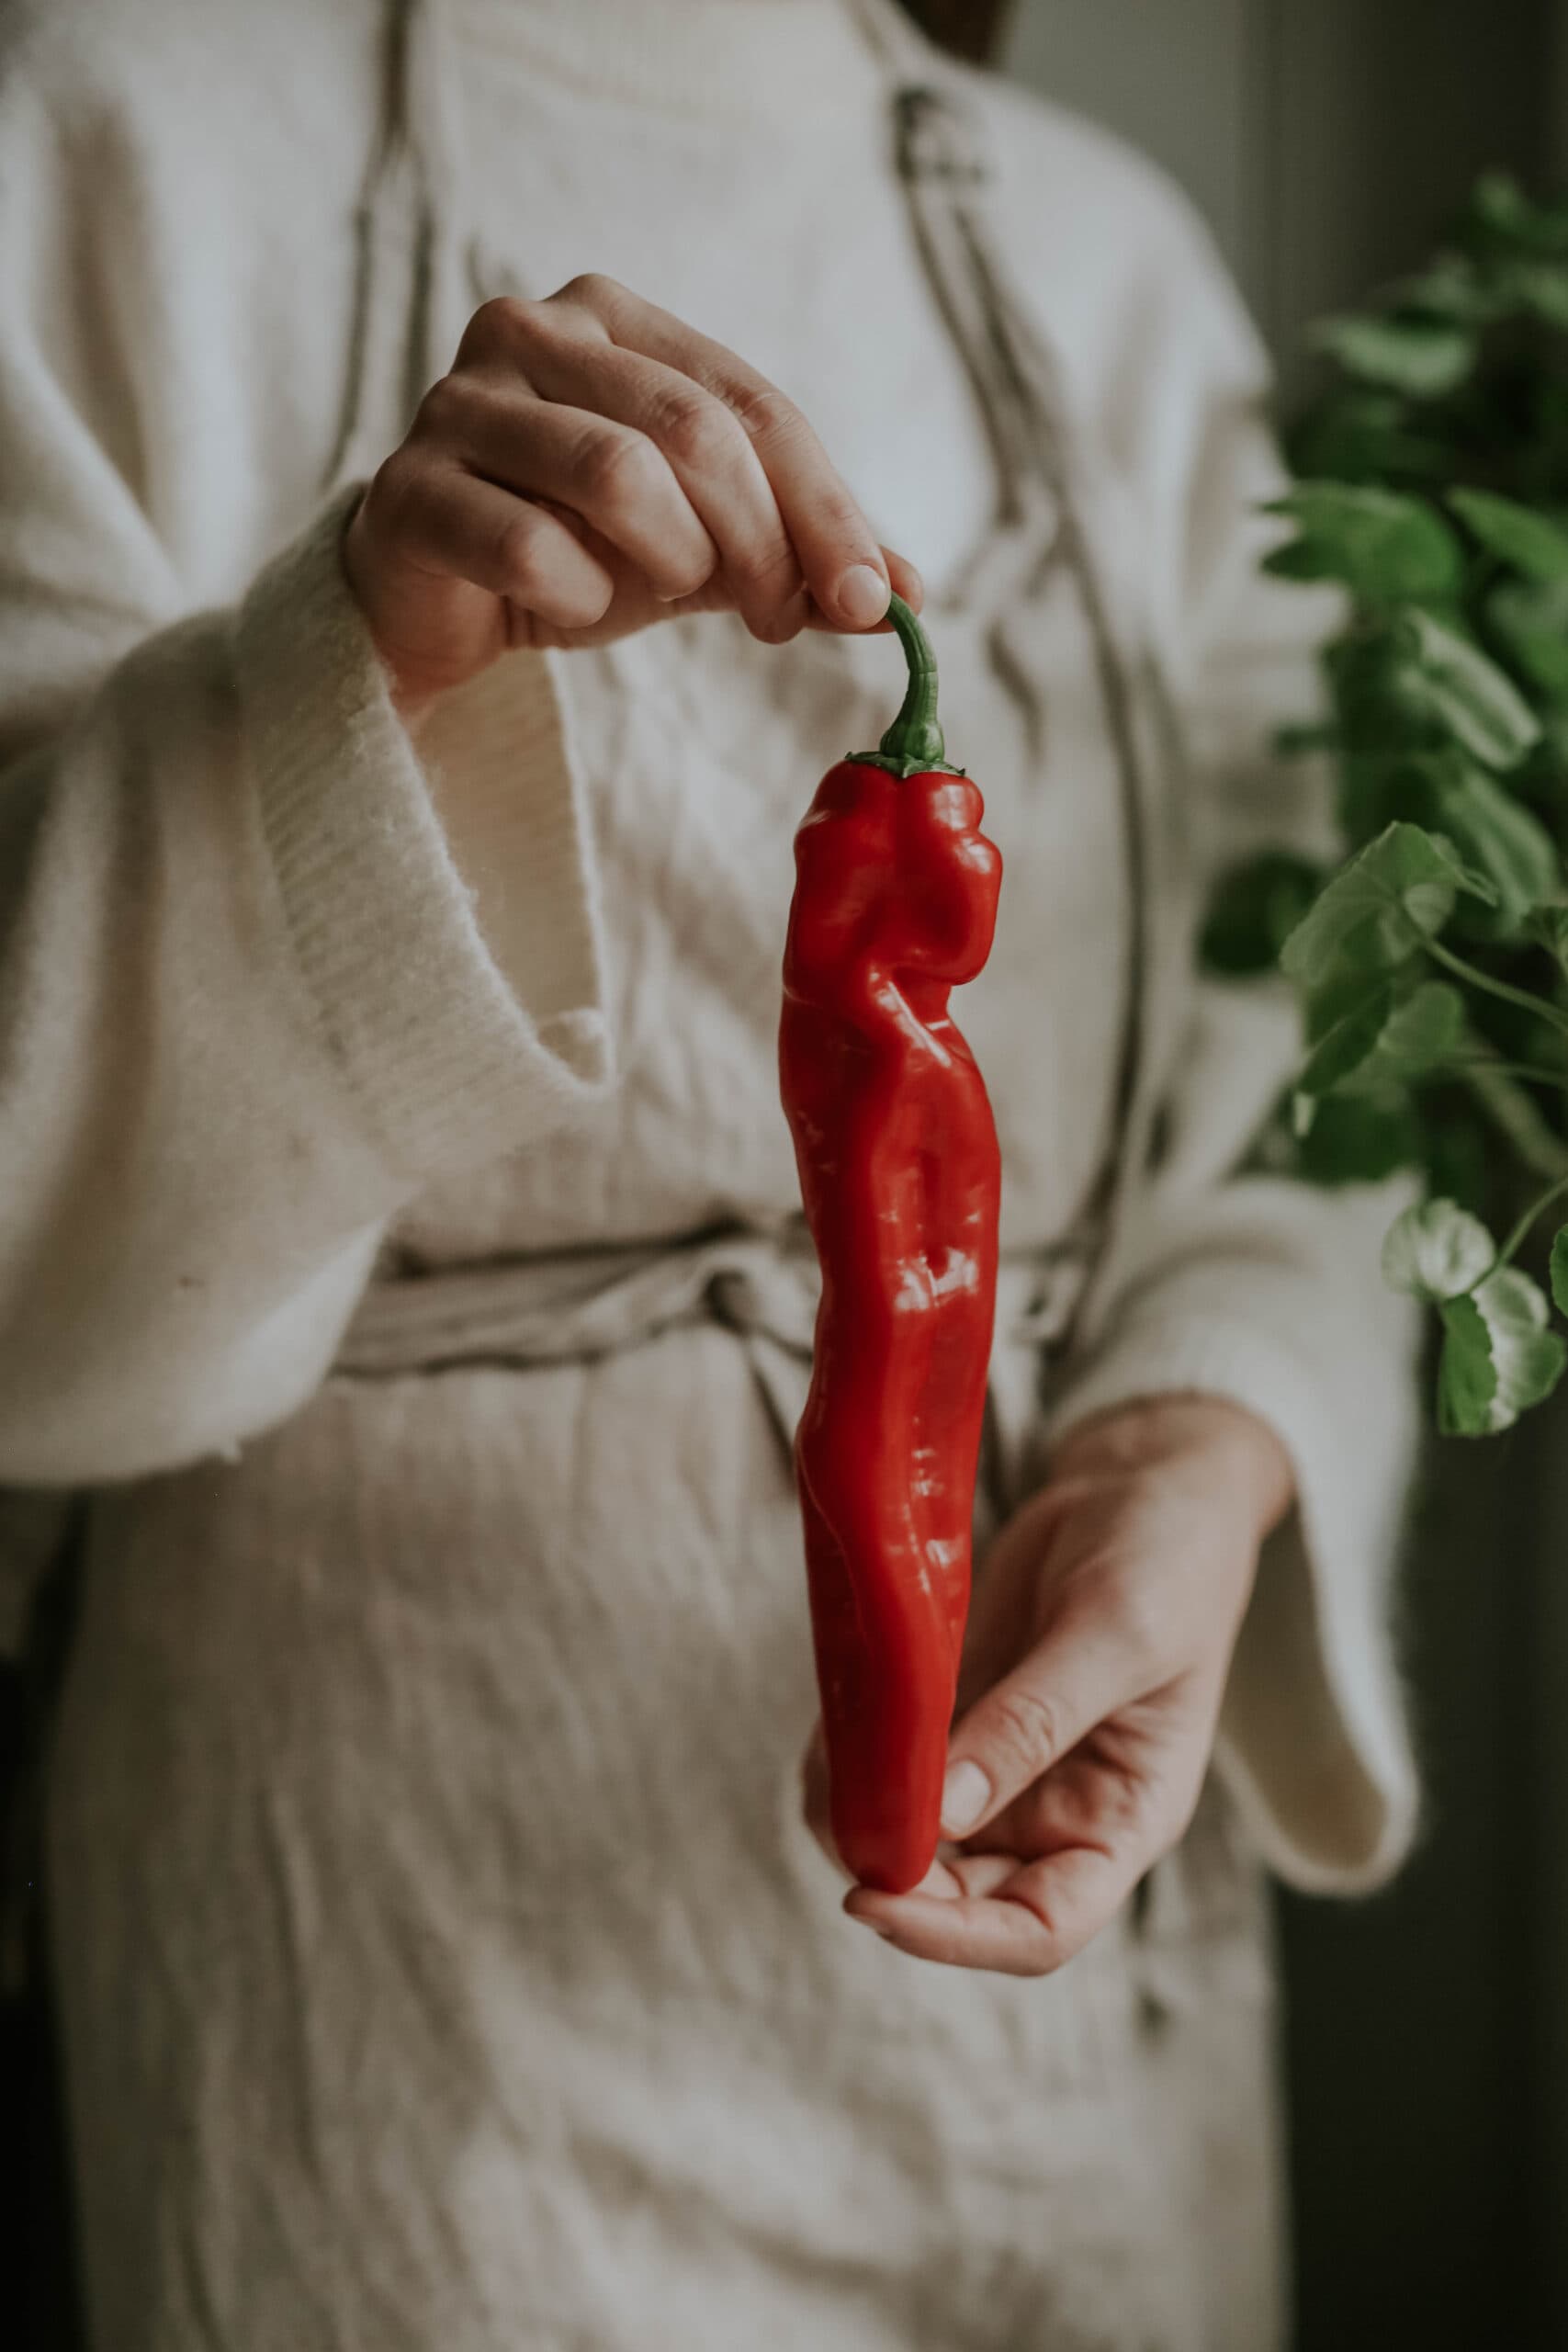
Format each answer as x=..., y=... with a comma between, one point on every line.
x=1094, y=1663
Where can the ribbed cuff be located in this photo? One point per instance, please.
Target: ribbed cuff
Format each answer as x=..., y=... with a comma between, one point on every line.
x=463, y=1006
x=1312, y=1742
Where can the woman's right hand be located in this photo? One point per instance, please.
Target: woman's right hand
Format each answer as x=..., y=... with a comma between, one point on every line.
x=592, y=465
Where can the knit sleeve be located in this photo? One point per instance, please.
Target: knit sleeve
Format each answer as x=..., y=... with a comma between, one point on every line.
x=1260, y=1289
x=266, y=964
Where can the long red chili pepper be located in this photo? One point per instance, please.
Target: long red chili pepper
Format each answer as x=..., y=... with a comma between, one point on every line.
x=895, y=901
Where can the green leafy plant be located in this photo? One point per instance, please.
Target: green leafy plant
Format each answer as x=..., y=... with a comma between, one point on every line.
x=1432, y=964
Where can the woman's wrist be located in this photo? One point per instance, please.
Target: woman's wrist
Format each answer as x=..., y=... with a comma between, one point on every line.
x=1210, y=1436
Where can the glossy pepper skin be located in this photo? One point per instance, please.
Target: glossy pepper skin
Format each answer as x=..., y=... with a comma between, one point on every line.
x=895, y=902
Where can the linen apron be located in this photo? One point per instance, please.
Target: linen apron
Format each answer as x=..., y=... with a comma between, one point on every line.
x=442, y=1957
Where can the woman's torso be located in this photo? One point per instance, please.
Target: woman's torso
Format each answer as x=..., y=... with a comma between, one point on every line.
x=701, y=748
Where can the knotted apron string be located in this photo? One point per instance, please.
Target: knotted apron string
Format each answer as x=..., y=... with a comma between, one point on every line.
x=575, y=1305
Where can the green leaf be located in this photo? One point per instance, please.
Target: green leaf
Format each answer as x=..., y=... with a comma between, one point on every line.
x=1356, y=433
x=1529, y=541
x=1381, y=699
x=1382, y=1039
x=1503, y=215
x=1560, y=1269
x=1422, y=357
x=1540, y=288
x=1449, y=287
x=1498, y=204
x=1386, y=548
x=1549, y=926
x=1419, y=1033
x=1531, y=619
x=1436, y=1251
x=1467, y=1377
x=1254, y=909
x=1377, y=910
x=1361, y=1140
x=1499, y=1358
x=1406, y=681
x=1345, y=1048
x=1498, y=835
x=1478, y=701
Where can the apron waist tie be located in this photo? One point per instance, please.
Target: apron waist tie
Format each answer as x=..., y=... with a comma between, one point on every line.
x=572, y=1305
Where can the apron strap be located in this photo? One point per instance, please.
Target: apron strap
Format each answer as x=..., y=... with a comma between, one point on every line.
x=1040, y=455
x=408, y=291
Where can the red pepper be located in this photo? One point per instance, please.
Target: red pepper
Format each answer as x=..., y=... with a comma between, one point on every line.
x=895, y=901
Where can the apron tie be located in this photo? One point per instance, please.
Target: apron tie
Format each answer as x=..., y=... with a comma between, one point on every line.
x=575, y=1305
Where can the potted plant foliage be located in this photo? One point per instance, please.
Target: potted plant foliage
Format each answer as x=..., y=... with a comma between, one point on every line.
x=1432, y=964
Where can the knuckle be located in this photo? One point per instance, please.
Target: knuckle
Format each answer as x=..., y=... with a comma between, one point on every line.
x=836, y=514
x=443, y=411
x=767, y=574
x=693, y=582
x=592, y=289
x=1028, y=1728
x=1140, y=1618
x=616, y=471
x=399, y=495
x=500, y=324
x=693, y=429
x=763, y=413
x=521, y=557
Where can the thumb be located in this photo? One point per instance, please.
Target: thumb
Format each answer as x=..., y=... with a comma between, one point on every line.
x=1028, y=1720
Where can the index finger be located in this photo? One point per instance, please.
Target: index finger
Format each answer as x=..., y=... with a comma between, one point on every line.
x=835, y=544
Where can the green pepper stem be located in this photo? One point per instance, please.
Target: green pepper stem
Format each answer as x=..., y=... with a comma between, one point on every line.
x=913, y=744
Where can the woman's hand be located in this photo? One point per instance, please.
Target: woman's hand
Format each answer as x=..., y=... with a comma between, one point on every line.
x=1094, y=1664
x=592, y=465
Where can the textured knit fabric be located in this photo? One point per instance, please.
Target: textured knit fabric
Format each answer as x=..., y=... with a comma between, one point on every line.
x=429, y=1892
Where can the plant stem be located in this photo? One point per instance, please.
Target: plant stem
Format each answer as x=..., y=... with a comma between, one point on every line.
x=1531, y=1070
x=1518, y=1117
x=1480, y=979
x=1545, y=1201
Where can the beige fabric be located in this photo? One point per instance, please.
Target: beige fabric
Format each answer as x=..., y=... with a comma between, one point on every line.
x=444, y=1960
x=441, y=1958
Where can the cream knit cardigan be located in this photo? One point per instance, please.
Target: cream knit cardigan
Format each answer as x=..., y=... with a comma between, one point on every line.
x=270, y=970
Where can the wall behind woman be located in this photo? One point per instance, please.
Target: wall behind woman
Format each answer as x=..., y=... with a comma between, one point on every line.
x=1326, y=141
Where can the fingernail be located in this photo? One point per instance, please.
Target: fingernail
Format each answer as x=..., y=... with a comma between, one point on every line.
x=863, y=595
x=965, y=1793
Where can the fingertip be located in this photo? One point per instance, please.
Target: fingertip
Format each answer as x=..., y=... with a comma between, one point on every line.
x=965, y=1796
x=861, y=1905
x=861, y=596
x=906, y=579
